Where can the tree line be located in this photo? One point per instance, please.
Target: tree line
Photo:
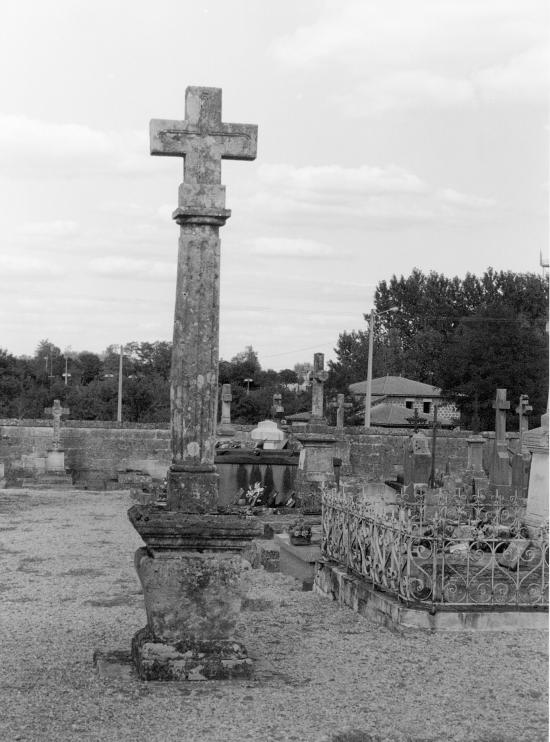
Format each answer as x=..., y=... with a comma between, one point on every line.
x=87, y=383
x=467, y=336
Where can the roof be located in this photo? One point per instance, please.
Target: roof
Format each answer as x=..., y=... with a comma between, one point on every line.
x=395, y=386
x=391, y=414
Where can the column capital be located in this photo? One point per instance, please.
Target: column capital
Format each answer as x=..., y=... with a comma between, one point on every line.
x=215, y=217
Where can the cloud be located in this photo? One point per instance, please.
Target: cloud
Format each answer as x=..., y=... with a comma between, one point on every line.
x=365, y=197
x=119, y=267
x=24, y=267
x=57, y=229
x=442, y=53
x=50, y=149
x=273, y=247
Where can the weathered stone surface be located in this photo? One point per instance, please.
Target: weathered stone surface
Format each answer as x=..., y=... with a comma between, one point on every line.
x=165, y=529
x=190, y=596
x=189, y=660
x=315, y=469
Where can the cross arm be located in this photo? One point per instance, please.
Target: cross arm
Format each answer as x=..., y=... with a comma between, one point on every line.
x=168, y=137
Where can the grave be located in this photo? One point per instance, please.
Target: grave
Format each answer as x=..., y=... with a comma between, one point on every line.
x=417, y=460
x=225, y=428
x=269, y=435
x=500, y=471
x=190, y=568
x=49, y=471
x=537, y=442
x=316, y=463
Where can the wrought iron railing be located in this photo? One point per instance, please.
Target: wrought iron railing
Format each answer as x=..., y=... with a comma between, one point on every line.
x=444, y=550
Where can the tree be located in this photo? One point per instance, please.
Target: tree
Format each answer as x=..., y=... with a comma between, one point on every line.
x=288, y=376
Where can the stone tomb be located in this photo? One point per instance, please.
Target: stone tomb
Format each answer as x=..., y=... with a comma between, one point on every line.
x=316, y=463
x=190, y=568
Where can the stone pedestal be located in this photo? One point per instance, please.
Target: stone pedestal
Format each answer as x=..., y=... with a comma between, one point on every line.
x=315, y=469
x=55, y=461
x=191, y=577
x=474, y=466
x=537, y=441
x=417, y=462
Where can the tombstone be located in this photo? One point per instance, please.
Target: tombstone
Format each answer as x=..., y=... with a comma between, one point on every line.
x=417, y=460
x=268, y=433
x=316, y=463
x=500, y=471
x=225, y=428
x=190, y=568
x=55, y=457
x=341, y=407
x=522, y=411
x=277, y=409
x=537, y=441
x=318, y=377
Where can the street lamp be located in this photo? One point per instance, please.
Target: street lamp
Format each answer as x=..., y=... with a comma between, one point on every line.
x=248, y=382
x=369, y=362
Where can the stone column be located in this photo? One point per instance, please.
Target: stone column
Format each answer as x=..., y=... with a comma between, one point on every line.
x=190, y=568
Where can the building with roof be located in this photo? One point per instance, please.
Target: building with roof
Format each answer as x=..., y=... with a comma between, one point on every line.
x=394, y=399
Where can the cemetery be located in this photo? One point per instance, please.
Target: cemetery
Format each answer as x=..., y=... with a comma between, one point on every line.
x=280, y=563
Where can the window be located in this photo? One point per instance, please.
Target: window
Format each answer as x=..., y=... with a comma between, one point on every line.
x=426, y=407
x=409, y=404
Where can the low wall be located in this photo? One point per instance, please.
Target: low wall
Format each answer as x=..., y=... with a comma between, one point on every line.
x=377, y=452
x=95, y=451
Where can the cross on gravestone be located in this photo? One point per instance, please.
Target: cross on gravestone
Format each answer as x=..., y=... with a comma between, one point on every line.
x=522, y=410
x=500, y=470
x=277, y=408
x=202, y=138
x=227, y=398
x=341, y=407
x=318, y=377
x=500, y=405
x=415, y=420
x=435, y=426
x=56, y=411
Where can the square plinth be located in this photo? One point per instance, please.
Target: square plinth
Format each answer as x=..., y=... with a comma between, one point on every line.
x=201, y=660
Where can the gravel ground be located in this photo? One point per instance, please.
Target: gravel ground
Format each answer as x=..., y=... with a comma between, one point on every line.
x=324, y=674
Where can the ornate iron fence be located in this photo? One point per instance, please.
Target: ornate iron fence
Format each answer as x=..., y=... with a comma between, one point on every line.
x=442, y=550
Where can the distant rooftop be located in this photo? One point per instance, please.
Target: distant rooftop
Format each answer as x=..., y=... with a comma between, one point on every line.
x=395, y=386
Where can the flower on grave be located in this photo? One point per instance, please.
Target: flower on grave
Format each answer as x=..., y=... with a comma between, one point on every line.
x=300, y=529
x=253, y=494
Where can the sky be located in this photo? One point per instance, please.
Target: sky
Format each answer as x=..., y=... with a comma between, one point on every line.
x=392, y=135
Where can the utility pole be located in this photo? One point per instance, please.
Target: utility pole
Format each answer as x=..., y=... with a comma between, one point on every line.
x=119, y=406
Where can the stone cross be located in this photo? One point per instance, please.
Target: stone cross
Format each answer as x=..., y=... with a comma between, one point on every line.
x=341, y=407
x=522, y=410
x=227, y=398
x=414, y=420
x=56, y=411
x=500, y=473
x=203, y=140
x=318, y=377
x=500, y=405
x=277, y=408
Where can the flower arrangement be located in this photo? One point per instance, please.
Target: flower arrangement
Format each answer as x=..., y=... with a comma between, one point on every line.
x=299, y=532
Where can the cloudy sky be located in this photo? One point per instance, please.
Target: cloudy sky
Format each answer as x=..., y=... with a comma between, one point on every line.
x=392, y=134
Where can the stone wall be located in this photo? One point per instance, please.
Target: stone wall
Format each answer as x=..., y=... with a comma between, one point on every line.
x=95, y=451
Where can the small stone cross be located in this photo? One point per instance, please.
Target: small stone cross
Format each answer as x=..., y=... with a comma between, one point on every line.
x=341, y=407
x=56, y=411
x=414, y=420
x=227, y=398
x=202, y=139
x=318, y=377
x=500, y=405
x=522, y=410
x=277, y=408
